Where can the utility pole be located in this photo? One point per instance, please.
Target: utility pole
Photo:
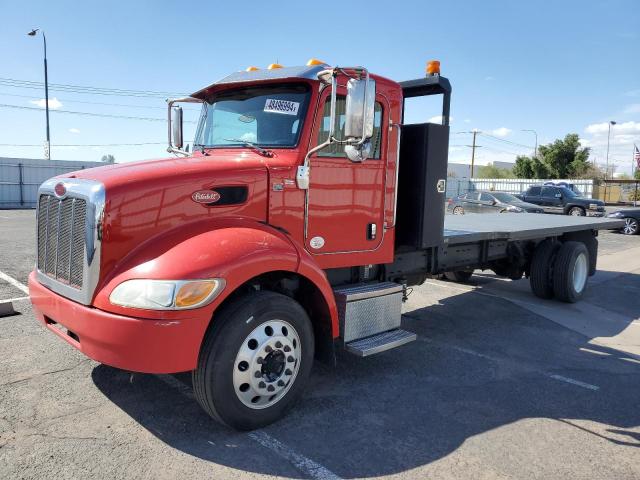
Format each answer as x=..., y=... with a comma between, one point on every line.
x=47, y=148
x=473, y=151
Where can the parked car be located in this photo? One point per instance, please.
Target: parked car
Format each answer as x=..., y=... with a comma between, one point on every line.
x=490, y=202
x=631, y=219
x=555, y=199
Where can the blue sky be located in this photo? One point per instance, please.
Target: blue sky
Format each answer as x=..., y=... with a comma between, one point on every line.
x=552, y=66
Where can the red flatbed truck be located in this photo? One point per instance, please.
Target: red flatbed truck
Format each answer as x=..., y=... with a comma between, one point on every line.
x=293, y=228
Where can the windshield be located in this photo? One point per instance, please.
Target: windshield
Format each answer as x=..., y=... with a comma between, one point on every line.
x=269, y=116
x=504, y=197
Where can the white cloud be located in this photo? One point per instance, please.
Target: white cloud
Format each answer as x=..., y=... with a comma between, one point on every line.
x=54, y=103
x=633, y=108
x=501, y=132
x=74, y=130
x=438, y=119
x=625, y=128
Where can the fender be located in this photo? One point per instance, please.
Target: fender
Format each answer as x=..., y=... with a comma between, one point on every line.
x=234, y=249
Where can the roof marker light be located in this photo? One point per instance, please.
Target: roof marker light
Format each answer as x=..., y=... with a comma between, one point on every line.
x=274, y=66
x=251, y=69
x=314, y=61
x=433, y=68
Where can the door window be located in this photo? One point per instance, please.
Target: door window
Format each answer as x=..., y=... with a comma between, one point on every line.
x=549, y=191
x=534, y=191
x=336, y=150
x=485, y=197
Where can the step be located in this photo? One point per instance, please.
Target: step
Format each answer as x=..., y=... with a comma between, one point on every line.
x=380, y=342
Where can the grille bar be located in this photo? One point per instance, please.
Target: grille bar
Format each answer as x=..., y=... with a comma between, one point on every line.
x=61, y=248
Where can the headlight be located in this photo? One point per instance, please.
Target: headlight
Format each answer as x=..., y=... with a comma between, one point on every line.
x=166, y=294
x=594, y=206
x=515, y=209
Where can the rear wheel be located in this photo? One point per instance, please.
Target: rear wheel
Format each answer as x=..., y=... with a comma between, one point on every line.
x=571, y=271
x=541, y=269
x=577, y=212
x=254, y=361
x=458, y=211
x=460, y=276
x=631, y=226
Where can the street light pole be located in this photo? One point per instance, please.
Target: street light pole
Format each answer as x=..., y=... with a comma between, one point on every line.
x=47, y=150
x=606, y=173
x=535, y=151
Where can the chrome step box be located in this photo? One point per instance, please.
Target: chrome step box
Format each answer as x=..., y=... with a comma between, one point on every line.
x=380, y=342
x=367, y=310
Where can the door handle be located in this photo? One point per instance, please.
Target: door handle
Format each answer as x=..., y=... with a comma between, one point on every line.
x=372, y=230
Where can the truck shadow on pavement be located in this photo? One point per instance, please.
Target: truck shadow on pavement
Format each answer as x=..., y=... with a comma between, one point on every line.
x=479, y=364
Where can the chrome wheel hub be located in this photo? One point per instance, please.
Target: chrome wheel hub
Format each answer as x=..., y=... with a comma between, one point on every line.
x=267, y=364
x=580, y=273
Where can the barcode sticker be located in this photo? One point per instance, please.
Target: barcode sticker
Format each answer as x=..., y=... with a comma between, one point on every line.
x=281, y=106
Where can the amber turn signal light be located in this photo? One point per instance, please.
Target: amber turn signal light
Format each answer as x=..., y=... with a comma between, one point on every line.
x=194, y=292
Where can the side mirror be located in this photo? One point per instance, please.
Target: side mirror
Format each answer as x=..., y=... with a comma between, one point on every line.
x=176, y=127
x=359, y=113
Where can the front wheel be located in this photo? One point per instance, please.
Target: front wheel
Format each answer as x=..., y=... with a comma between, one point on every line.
x=255, y=360
x=631, y=226
x=577, y=212
x=458, y=211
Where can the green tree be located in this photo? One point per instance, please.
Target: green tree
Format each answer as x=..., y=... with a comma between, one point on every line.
x=108, y=158
x=565, y=158
x=523, y=167
x=637, y=174
x=491, y=171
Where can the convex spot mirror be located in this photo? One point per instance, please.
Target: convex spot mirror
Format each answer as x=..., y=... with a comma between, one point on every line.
x=359, y=118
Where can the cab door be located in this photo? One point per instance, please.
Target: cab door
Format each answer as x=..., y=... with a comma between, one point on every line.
x=346, y=199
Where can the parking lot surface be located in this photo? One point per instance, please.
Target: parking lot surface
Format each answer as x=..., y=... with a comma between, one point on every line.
x=499, y=385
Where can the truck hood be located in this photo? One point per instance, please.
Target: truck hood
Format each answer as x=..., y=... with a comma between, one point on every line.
x=146, y=199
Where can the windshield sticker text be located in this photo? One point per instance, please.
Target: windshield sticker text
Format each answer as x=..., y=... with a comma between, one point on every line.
x=281, y=106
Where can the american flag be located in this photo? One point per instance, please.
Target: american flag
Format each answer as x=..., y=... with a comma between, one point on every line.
x=636, y=157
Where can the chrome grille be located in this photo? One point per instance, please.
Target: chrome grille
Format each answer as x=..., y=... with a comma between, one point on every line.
x=61, y=232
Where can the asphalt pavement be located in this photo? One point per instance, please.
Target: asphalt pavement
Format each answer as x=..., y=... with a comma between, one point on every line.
x=498, y=385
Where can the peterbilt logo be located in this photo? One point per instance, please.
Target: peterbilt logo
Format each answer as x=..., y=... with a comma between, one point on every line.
x=205, y=196
x=60, y=189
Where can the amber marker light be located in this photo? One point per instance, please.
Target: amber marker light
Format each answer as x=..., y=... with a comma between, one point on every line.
x=274, y=66
x=433, y=67
x=251, y=69
x=194, y=293
x=314, y=61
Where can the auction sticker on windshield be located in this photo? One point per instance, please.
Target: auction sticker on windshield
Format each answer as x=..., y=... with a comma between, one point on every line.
x=281, y=106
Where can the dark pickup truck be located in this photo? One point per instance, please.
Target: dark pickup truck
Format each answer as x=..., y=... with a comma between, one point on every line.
x=554, y=199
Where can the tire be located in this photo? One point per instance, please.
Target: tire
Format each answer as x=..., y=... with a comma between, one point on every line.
x=240, y=347
x=542, y=269
x=459, y=276
x=631, y=226
x=570, y=272
x=458, y=211
x=576, y=212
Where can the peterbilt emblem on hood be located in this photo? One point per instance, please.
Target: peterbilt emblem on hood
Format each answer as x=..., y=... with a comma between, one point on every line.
x=60, y=189
x=205, y=196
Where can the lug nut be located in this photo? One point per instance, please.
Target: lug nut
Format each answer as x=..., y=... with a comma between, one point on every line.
x=258, y=374
x=278, y=344
x=280, y=383
x=260, y=361
x=287, y=348
x=262, y=385
x=290, y=358
x=271, y=388
x=288, y=372
x=268, y=349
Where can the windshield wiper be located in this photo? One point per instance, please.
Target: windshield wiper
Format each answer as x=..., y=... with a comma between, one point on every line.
x=262, y=151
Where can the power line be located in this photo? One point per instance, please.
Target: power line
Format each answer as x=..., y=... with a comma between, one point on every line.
x=91, y=114
x=12, y=82
x=83, y=144
x=505, y=141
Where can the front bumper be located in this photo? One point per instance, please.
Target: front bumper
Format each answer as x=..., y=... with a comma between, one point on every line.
x=129, y=343
x=595, y=213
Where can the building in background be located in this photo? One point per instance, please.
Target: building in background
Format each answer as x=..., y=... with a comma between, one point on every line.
x=21, y=177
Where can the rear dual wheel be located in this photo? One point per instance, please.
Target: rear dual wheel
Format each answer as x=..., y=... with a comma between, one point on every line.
x=255, y=360
x=560, y=270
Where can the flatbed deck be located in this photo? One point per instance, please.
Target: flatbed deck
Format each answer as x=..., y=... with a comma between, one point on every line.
x=460, y=229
